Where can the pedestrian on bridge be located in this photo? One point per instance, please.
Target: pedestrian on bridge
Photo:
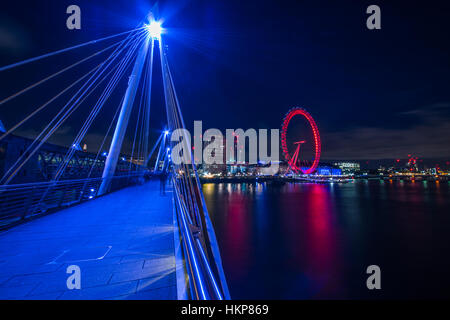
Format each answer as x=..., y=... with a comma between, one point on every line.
x=162, y=185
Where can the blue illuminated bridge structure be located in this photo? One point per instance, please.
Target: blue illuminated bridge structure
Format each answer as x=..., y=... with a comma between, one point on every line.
x=100, y=219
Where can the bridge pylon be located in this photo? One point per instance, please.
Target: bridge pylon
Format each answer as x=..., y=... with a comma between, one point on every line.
x=124, y=117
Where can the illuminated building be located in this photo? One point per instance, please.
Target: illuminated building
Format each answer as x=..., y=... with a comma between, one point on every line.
x=323, y=170
x=348, y=167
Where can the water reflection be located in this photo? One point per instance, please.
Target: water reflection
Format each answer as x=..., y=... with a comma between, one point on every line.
x=296, y=241
x=237, y=238
x=311, y=238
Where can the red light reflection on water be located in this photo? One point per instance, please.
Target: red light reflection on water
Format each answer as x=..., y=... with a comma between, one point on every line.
x=238, y=235
x=309, y=221
x=320, y=232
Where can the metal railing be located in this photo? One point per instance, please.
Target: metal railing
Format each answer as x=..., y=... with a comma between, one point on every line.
x=203, y=283
x=201, y=251
x=20, y=202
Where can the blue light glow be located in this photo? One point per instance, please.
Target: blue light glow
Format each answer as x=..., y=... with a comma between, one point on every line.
x=211, y=277
x=154, y=29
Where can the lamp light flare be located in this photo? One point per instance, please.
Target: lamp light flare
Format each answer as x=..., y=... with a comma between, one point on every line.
x=154, y=29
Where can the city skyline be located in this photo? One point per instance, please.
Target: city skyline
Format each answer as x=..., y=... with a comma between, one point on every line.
x=368, y=105
x=224, y=150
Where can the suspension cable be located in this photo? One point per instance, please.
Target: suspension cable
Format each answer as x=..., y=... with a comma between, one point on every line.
x=65, y=50
x=52, y=99
x=98, y=106
x=57, y=73
x=67, y=110
x=47, y=103
x=106, y=136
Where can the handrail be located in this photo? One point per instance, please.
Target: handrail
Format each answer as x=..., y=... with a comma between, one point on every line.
x=19, y=202
x=202, y=255
x=201, y=278
x=196, y=278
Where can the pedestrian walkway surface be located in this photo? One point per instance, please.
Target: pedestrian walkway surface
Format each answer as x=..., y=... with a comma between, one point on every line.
x=123, y=244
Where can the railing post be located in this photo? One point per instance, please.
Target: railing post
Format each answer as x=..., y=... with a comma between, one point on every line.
x=82, y=191
x=61, y=200
x=29, y=203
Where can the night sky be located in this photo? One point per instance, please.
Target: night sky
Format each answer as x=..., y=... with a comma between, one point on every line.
x=375, y=94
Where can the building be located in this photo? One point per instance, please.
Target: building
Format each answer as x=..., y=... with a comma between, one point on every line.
x=348, y=167
x=328, y=171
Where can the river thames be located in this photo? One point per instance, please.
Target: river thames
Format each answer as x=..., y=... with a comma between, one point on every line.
x=315, y=241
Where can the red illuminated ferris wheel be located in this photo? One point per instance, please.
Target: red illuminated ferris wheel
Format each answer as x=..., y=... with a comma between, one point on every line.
x=293, y=160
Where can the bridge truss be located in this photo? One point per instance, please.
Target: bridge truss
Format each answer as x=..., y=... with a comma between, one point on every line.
x=71, y=176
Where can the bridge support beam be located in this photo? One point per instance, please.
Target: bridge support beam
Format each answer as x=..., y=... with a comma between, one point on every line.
x=147, y=105
x=122, y=122
x=160, y=152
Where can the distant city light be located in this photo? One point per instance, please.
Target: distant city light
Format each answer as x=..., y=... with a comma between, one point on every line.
x=104, y=153
x=154, y=29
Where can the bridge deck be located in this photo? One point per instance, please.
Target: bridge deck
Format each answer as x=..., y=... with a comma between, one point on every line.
x=122, y=242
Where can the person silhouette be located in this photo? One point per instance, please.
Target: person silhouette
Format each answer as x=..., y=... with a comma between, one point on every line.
x=162, y=183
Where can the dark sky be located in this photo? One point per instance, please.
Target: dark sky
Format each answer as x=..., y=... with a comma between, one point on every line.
x=242, y=64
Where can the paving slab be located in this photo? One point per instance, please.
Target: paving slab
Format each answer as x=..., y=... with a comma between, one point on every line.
x=123, y=244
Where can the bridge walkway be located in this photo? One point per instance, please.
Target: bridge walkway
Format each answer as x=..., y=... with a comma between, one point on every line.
x=123, y=243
